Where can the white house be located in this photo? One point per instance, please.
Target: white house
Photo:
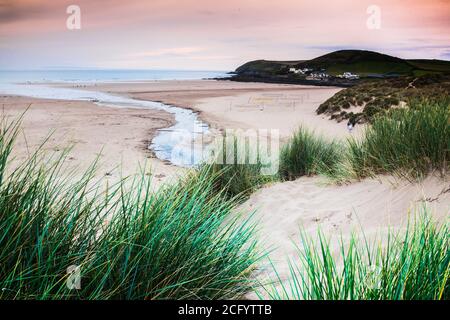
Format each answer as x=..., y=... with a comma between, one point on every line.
x=318, y=76
x=296, y=71
x=349, y=75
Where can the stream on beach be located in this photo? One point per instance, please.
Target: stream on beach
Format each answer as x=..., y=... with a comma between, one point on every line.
x=180, y=144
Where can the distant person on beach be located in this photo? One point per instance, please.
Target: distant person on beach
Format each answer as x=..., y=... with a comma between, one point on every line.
x=350, y=125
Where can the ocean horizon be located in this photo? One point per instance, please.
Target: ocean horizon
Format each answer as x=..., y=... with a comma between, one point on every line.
x=103, y=75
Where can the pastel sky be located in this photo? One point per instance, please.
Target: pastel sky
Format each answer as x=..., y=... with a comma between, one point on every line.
x=213, y=34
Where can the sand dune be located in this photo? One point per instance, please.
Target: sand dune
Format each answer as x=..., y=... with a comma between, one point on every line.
x=371, y=205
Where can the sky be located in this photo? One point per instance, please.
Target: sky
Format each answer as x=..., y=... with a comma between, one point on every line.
x=214, y=34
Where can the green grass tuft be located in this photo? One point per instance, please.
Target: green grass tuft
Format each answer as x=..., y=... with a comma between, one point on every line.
x=307, y=154
x=237, y=168
x=408, y=142
x=413, y=265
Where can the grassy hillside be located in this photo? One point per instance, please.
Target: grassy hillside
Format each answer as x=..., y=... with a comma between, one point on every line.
x=266, y=66
x=431, y=65
x=361, y=62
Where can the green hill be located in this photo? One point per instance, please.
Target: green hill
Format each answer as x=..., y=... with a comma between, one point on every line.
x=361, y=62
x=266, y=66
x=430, y=66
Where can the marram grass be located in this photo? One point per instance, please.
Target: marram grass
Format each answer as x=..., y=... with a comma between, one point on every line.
x=129, y=242
x=409, y=265
x=408, y=143
x=308, y=154
x=237, y=168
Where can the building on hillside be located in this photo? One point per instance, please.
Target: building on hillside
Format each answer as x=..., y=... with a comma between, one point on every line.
x=296, y=71
x=318, y=76
x=300, y=71
x=349, y=76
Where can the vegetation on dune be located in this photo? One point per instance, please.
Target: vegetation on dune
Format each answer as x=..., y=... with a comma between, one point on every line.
x=307, y=154
x=129, y=242
x=236, y=181
x=236, y=169
x=362, y=102
x=408, y=142
x=411, y=265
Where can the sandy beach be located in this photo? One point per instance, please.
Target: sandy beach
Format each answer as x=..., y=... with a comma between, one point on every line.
x=119, y=137
x=240, y=105
x=282, y=209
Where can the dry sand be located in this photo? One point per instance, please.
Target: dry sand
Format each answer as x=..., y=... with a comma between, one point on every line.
x=372, y=206
x=236, y=105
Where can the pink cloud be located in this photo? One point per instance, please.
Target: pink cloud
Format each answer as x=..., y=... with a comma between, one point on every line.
x=157, y=32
